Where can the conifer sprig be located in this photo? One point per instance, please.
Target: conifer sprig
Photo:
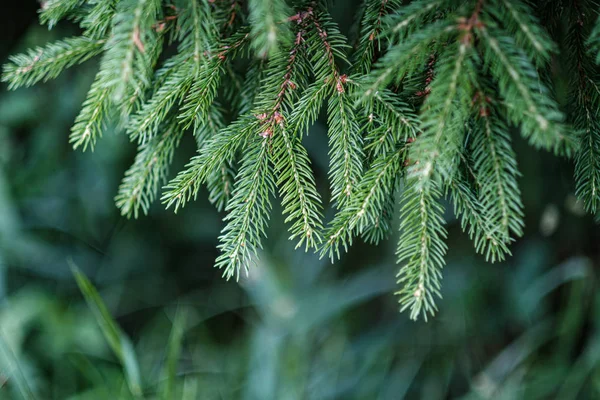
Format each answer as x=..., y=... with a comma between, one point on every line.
x=425, y=107
x=371, y=26
x=98, y=21
x=249, y=210
x=366, y=207
x=593, y=41
x=530, y=105
x=149, y=171
x=53, y=11
x=421, y=249
x=495, y=165
x=475, y=221
x=270, y=29
x=44, y=63
x=129, y=58
x=584, y=98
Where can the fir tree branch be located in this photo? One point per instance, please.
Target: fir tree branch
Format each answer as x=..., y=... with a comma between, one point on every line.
x=93, y=115
x=382, y=225
x=249, y=210
x=593, y=41
x=174, y=86
x=366, y=205
x=149, y=171
x=370, y=32
x=583, y=100
x=418, y=82
x=409, y=17
x=206, y=83
x=309, y=106
x=218, y=150
x=474, y=220
x=518, y=19
x=421, y=247
x=270, y=28
x=44, y=63
x=444, y=114
x=295, y=180
x=587, y=162
x=53, y=11
x=298, y=189
x=251, y=86
x=532, y=108
x=220, y=181
x=98, y=22
x=220, y=185
x=407, y=57
x=345, y=144
x=496, y=167
x=129, y=60
x=389, y=121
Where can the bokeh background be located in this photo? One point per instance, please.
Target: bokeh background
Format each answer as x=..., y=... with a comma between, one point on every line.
x=297, y=327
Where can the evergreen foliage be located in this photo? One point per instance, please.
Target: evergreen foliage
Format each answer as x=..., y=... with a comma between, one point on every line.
x=423, y=101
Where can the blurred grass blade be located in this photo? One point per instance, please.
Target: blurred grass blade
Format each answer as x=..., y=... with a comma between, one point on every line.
x=12, y=371
x=91, y=373
x=173, y=354
x=190, y=388
x=117, y=340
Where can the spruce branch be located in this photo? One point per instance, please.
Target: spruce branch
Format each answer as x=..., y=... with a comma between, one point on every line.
x=345, y=141
x=93, y=116
x=584, y=100
x=530, y=105
x=270, y=27
x=97, y=23
x=218, y=150
x=294, y=177
x=371, y=27
x=587, y=161
x=345, y=144
x=421, y=249
x=251, y=86
x=495, y=165
x=53, y=11
x=249, y=210
x=519, y=19
x=44, y=63
x=220, y=181
x=412, y=16
x=475, y=221
x=382, y=225
x=174, y=86
x=149, y=171
x=367, y=204
x=444, y=115
x=425, y=105
x=131, y=52
x=298, y=189
x=206, y=82
x=593, y=42
x=389, y=120
x=309, y=105
x=408, y=56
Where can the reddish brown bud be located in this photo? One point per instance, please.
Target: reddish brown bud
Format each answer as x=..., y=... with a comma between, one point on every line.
x=267, y=133
x=278, y=118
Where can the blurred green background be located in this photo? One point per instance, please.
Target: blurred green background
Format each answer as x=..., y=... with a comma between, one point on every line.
x=297, y=327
